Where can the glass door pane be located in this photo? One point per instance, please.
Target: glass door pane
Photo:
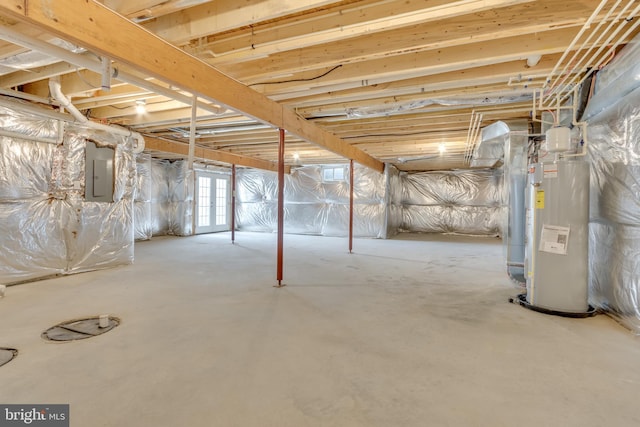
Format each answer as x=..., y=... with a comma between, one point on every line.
x=212, y=202
x=204, y=201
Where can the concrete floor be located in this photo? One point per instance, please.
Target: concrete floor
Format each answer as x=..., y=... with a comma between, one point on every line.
x=415, y=331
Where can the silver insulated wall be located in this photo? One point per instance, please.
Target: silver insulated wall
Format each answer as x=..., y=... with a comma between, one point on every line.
x=558, y=236
x=613, y=117
x=47, y=226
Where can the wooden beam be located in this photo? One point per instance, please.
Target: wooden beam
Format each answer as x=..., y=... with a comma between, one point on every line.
x=92, y=25
x=209, y=154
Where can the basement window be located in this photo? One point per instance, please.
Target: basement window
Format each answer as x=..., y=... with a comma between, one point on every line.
x=333, y=174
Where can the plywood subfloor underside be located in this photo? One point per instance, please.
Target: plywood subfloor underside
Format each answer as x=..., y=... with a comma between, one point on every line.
x=415, y=331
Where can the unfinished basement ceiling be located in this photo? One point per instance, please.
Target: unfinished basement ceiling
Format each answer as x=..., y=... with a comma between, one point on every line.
x=401, y=80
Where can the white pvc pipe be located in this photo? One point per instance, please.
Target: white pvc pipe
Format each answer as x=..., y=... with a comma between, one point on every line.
x=578, y=64
x=106, y=74
x=56, y=93
x=609, y=42
x=582, y=153
x=577, y=37
x=192, y=132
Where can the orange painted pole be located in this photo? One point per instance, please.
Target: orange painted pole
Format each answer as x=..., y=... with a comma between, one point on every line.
x=280, y=207
x=351, y=206
x=233, y=204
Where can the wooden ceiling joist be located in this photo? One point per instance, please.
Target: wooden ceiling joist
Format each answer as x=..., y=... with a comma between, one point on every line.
x=209, y=154
x=96, y=27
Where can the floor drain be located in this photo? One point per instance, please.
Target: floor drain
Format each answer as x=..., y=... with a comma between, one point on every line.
x=7, y=355
x=81, y=329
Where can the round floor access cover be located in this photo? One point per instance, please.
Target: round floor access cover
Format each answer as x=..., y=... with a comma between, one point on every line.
x=81, y=329
x=7, y=355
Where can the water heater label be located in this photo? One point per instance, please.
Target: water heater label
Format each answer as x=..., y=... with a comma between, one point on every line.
x=540, y=199
x=554, y=239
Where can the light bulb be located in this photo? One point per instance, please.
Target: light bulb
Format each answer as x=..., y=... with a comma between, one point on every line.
x=141, y=106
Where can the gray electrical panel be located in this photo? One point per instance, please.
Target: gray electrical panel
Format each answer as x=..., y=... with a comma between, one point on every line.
x=99, y=175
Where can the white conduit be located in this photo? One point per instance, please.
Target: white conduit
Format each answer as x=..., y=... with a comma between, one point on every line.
x=56, y=93
x=472, y=135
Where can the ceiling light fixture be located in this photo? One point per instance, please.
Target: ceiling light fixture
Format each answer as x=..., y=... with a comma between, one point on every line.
x=141, y=106
x=296, y=157
x=442, y=148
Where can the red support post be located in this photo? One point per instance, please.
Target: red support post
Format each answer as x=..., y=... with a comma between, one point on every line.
x=351, y=206
x=280, y=206
x=233, y=204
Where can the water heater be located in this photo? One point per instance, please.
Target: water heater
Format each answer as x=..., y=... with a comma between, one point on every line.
x=557, y=223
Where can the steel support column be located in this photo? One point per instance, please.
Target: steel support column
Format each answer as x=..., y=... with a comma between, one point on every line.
x=233, y=204
x=280, y=206
x=351, y=206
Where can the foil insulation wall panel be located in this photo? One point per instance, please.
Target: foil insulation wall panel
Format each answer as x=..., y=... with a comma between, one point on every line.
x=461, y=202
x=171, y=198
x=312, y=205
x=181, y=190
x=614, y=246
x=394, y=200
x=143, y=220
x=46, y=227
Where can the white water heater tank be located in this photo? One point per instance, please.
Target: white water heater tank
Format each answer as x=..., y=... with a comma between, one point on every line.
x=556, y=260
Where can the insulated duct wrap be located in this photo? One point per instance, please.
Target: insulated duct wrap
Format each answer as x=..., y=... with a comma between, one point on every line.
x=614, y=246
x=490, y=149
x=463, y=202
x=513, y=224
x=312, y=205
x=46, y=226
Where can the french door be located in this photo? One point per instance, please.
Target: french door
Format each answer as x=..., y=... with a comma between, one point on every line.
x=213, y=207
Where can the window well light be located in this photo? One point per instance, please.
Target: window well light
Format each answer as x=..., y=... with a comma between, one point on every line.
x=141, y=106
